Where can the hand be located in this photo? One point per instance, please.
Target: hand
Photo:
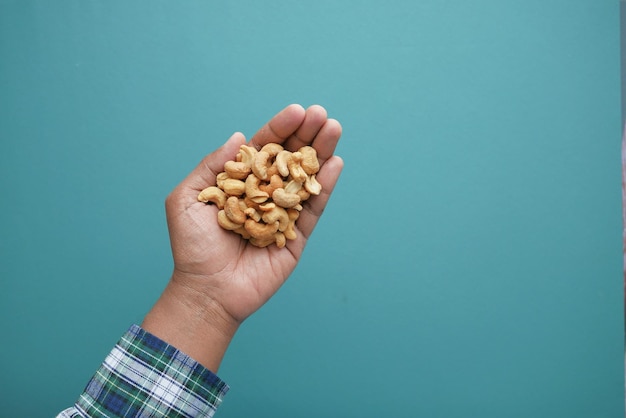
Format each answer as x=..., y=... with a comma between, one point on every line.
x=219, y=278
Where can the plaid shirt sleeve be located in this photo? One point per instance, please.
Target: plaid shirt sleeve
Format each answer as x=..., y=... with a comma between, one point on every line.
x=144, y=376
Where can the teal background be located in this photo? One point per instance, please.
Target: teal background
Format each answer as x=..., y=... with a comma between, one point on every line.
x=468, y=265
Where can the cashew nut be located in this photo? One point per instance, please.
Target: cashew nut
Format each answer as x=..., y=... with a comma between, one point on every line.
x=296, y=187
x=253, y=214
x=293, y=214
x=221, y=178
x=304, y=195
x=234, y=187
x=290, y=231
x=262, y=243
x=284, y=199
x=249, y=203
x=271, y=171
x=281, y=163
x=260, y=194
x=233, y=210
x=242, y=231
x=267, y=206
x=310, y=164
x=295, y=169
x=247, y=154
x=275, y=182
x=261, y=164
x=236, y=170
x=260, y=230
x=225, y=222
x=214, y=195
x=272, y=149
x=251, y=187
x=312, y=185
x=293, y=186
x=281, y=240
x=277, y=214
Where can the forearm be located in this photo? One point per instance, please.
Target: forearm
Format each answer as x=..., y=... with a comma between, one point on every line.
x=192, y=323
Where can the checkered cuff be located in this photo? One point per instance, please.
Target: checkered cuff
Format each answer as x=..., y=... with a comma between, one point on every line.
x=144, y=376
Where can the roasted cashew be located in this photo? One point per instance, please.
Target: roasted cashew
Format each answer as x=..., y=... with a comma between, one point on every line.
x=293, y=214
x=242, y=204
x=266, y=206
x=281, y=162
x=295, y=169
x=290, y=231
x=275, y=182
x=250, y=203
x=262, y=243
x=272, y=149
x=237, y=170
x=260, y=230
x=259, y=195
x=233, y=210
x=234, y=187
x=242, y=231
x=312, y=185
x=221, y=178
x=304, y=195
x=280, y=239
x=310, y=164
x=225, y=222
x=297, y=188
x=261, y=164
x=252, y=189
x=293, y=186
x=284, y=199
x=213, y=194
x=247, y=154
x=252, y=213
x=277, y=214
x=272, y=170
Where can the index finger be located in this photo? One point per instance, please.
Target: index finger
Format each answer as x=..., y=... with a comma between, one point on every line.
x=280, y=127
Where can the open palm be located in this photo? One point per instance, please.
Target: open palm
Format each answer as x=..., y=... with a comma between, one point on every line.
x=223, y=267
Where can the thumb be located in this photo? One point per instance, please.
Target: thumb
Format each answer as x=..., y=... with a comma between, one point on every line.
x=204, y=174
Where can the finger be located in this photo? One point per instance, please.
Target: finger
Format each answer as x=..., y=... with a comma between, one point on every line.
x=314, y=207
x=326, y=140
x=314, y=118
x=204, y=174
x=284, y=124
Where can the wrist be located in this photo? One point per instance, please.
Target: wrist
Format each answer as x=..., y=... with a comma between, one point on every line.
x=193, y=323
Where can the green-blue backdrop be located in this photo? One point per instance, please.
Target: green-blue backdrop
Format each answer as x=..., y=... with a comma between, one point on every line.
x=468, y=265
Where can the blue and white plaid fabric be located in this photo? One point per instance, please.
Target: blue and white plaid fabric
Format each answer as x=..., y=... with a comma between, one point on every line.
x=144, y=376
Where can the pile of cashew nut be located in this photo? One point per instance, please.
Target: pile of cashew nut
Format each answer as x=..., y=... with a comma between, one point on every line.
x=260, y=194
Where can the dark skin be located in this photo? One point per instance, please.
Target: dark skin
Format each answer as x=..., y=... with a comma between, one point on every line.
x=220, y=279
